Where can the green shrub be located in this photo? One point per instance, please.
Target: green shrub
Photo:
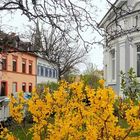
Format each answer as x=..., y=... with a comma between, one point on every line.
x=52, y=86
x=129, y=85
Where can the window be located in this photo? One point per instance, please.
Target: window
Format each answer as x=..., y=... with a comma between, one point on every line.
x=42, y=71
x=14, y=65
x=3, y=88
x=46, y=72
x=30, y=87
x=105, y=72
x=138, y=60
x=30, y=68
x=4, y=64
x=24, y=87
x=136, y=21
x=14, y=87
x=39, y=70
x=54, y=71
x=113, y=64
x=29, y=48
x=24, y=66
x=50, y=72
x=56, y=76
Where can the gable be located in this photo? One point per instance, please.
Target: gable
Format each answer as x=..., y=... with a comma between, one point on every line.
x=128, y=6
x=136, y=6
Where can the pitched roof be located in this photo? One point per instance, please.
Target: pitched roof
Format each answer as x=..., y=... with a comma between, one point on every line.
x=116, y=4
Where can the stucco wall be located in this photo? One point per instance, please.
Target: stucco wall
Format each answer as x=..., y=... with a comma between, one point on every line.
x=126, y=49
x=43, y=79
x=10, y=76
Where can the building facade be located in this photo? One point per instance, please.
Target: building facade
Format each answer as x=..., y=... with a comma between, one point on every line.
x=21, y=69
x=46, y=72
x=17, y=73
x=122, y=41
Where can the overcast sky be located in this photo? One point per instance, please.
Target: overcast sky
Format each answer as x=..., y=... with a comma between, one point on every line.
x=17, y=23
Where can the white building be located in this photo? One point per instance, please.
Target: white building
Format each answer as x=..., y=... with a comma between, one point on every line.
x=46, y=72
x=122, y=33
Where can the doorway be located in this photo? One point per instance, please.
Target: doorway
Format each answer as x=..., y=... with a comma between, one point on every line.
x=3, y=88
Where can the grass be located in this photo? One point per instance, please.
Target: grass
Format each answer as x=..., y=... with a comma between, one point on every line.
x=123, y=123
x=21, y=132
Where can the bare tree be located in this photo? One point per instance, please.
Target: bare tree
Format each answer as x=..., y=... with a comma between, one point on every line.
x=72, y=15
x=60, y=51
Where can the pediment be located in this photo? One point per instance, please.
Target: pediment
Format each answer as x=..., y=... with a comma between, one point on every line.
x=136, y=6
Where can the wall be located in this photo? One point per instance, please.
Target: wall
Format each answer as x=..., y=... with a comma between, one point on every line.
x=9, y=76
x=125, y=43
x=45, y=64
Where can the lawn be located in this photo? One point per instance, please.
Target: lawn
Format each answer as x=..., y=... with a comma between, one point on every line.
x=124, y=124
x=21, y=131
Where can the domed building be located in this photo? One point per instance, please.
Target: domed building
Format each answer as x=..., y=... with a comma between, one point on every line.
x=121, y=25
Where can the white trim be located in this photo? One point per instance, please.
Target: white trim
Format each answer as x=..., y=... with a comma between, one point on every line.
x=122, y=57
x=111, y=80
x=137, y=57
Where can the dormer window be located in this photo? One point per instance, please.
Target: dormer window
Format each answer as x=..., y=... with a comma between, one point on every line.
x=29, y=48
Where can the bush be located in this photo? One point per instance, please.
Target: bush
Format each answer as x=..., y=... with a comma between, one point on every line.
x=51, y=85
x=129, y=85
x=64, y=114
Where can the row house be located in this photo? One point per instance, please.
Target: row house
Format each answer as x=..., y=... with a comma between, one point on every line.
x=46, y=72
x=21, y=70
x=18, y=72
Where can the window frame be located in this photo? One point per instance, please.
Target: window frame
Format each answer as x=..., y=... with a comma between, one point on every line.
x=24, y=63
x=23, y=83
x=16, y=86
x=30, y=71
x=54, y=73
x=30, y=84
x=137, y=45
x=50, y=72
x=41, y=71
x=4, y=58
x=46, y=72
x=6, y=88
x=56, y=76
x=14, y=69
x=112, y=65
x=38, y=70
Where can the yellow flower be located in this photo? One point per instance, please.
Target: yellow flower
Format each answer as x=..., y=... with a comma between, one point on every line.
x=74, y=112
x=10, y=137
x=101, y=82
x=36, y=137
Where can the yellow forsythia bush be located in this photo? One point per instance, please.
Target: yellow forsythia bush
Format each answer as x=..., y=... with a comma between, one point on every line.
x=76, y=112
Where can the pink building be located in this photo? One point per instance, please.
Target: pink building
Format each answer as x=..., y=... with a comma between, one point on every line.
x=17, y=72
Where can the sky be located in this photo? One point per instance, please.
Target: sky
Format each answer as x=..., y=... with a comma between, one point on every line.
x=17, y=23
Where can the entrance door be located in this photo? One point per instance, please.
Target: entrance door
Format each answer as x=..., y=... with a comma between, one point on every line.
x=3, y=88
